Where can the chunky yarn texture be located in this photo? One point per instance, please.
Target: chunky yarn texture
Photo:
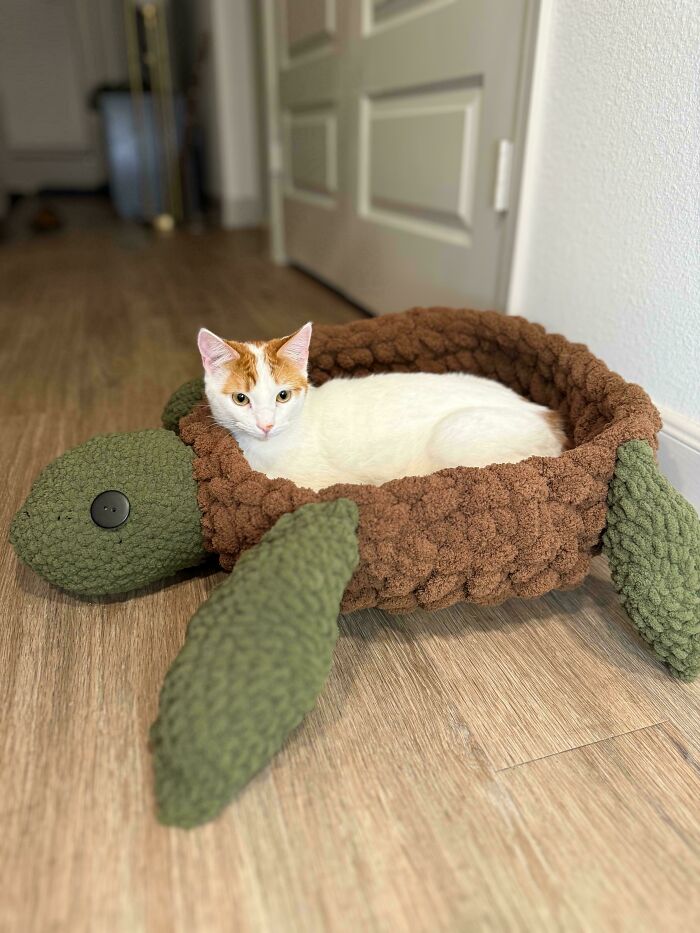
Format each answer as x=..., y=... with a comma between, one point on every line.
x=477, y=534
x=258, y=651
x=54, y=533
x=652, y=543
x=181, y=402
x=256, y=657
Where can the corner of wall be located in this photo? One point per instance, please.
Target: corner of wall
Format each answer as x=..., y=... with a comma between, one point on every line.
x=679, y=453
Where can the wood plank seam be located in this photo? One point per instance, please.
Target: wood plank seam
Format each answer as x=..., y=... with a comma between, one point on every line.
x=574, y=748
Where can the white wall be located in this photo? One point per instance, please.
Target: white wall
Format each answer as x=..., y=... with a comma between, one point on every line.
x=230, y=111
x=608, y=243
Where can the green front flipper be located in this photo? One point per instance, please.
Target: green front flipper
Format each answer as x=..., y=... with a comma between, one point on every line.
x=652, y=543
x=256, y=657
x=181, y=403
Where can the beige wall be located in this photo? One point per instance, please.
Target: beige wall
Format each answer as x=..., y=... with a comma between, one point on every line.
x=231, y=111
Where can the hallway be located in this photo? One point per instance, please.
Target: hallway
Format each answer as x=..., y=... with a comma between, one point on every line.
x=521, y=767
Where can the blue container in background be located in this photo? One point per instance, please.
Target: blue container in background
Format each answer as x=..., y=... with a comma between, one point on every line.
x=138, y=180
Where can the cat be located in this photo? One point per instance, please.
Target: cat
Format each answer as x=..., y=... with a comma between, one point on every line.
x=368, y=429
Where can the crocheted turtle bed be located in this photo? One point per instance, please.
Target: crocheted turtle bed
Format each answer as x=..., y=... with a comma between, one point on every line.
x=138, y=507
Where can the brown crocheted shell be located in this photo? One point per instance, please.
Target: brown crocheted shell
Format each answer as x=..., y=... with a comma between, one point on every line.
x=479, y=534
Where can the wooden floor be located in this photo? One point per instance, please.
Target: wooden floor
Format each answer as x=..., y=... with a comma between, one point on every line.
x=525, y=767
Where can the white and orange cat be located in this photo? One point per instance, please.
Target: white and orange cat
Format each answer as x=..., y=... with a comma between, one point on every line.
x=368, y=429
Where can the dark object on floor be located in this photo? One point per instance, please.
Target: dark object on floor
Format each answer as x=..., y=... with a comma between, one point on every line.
x=46, y=220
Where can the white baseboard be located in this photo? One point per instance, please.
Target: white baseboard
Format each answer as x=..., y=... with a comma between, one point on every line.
x=679, y=453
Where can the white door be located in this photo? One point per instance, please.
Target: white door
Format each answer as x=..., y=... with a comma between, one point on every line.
x=391, y=117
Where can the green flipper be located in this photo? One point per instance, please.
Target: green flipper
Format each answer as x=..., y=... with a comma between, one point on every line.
x=652, y=543
x=181, y=403
x=256, y=657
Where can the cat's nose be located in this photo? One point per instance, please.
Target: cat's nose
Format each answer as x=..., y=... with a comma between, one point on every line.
x=266, y=427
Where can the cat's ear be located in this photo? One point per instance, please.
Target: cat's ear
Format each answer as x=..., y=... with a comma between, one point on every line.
x=296, y=348
x=215, y=351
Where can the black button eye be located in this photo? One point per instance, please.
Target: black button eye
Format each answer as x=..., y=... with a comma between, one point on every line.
x=110, y=509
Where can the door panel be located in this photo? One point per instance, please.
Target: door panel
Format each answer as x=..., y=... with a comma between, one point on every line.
x=312, y=150
x=387, y=12
x=310, y=24
x=417, y=169
x=392, y=113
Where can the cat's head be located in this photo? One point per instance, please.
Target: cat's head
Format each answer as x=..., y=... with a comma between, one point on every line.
x=255, y=388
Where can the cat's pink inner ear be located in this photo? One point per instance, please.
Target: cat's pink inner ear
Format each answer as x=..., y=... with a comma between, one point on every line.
x=215, y=351
x=296, y=349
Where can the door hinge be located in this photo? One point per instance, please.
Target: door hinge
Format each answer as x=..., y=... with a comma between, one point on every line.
x=504, y=166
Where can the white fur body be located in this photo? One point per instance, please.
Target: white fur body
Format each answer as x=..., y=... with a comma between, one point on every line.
x=375, y=428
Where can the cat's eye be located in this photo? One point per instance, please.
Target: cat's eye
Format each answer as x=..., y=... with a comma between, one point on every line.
x=284, y=395
x=240, y=399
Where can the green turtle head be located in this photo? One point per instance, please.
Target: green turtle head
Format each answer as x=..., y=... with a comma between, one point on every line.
x=116, y=513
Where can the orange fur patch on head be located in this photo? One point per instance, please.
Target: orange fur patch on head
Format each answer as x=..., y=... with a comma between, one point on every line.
x=241, y=373
x=556, y=423
x=283, y=370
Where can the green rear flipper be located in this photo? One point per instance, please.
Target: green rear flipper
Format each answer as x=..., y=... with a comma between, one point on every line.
x=256, y=658
x=181, y=403
x=652, y=543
